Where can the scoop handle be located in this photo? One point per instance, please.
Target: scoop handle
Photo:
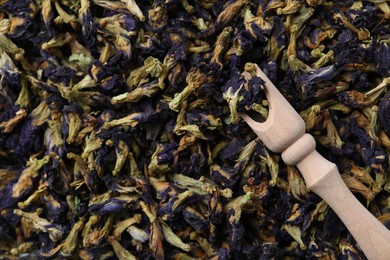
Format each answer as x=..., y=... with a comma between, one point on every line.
x=322, y=177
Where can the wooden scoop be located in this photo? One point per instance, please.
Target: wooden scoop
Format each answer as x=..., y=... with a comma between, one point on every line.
x=284, y=132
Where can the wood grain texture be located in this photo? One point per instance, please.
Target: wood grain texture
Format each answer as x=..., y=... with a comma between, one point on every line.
x=282, y=119
x=323, y=178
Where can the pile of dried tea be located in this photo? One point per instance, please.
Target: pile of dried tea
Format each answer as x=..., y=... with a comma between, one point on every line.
x=121, y=135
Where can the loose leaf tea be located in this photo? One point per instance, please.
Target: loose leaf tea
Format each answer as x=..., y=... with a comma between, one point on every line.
x=121, y=133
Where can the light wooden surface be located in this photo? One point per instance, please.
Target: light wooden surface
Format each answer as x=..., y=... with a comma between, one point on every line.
x=284, y=132
x=291, y=121
x=323, y=178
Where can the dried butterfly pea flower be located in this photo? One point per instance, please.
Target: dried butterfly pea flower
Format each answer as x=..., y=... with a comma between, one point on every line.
x=138, y=234
x=256, y=25
x=177, y=202
x=194, y=218
x=296, y=28
x=93, y=219
x=172, y=238
x=120, y=251
x=152, y=67
x=230, y=10
x=208, y=249
x=290, y=7
x=82, y=174
x=158, y=17
x=22, y=249
x=332, y=138
x=194, y=81
x=8, y=126
x=202, y=186
x=363, y=34
x=198, y=133
x=383, y=114
x=7, y=175
x=372, y=155
x=68, y=246
x=148, y=90
x=125, y=224
x=36, y=224
x=381, y=57
x=220, y=46
x=72, y=119
x=156, y=236
x=134, y=9
x=224, y=176
x=295, y=232
x=297, y=187
x=27, y=176
x=104, y=252
x=99, y=234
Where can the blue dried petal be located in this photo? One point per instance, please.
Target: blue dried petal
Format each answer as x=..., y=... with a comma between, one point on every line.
x=55, y=208
x=236, y=234
x=199, y=118
x=11, y=83
x=384, y=113
x=8, y=217
x=231, y=150
x=362, y=81
x=22, y=6
x=110, y=206
x=61, y=74
x=254, y=93
x=287, y=87
x=365, y=17
x=279, y=32
x=7, y=231
x=235, y=83
x=194, y=219
x=29, y=139
x=89, y=30
x=147, y=117
x=260, y=33
x=45, y=243
x=265, y=250
x=270, y=68
x=191, y=164
x=167, y=210
x=92, y=181
x=167, y=153
x=224, y=253
x=366, y=52
x=345, y=37
x=8, y=108
x=332, y=227
x=304, y=55
x=314, y=35
x=146, y=190
x=382, y=59
x=113, y=85
x=297, y=220
x=106, y=158
x=370, y=153
x=228, y=178
x=345, y=53
x=55, y=102
x=81, y=209
x=322, y=74
x=25, y=31
x=130, y=23
x=164, y=194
